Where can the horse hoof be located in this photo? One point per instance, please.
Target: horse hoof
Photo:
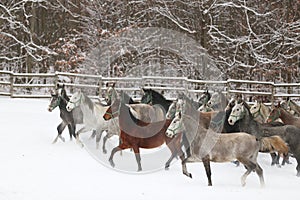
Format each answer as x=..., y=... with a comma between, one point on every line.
x=189, y=175
x=104, y=151
x=167, y=167
x=140, y=169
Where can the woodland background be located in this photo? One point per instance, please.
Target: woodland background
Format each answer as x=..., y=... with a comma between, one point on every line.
x=250, y=40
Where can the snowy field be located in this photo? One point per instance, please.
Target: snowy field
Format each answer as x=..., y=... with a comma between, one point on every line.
x=32, y=168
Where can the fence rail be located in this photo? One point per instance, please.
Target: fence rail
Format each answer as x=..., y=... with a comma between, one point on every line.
x=31, y=85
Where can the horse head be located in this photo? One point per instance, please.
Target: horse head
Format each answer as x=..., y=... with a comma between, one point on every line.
x=274, y=114
x=147, y=97
x=74, y=101
x=176, y=126
x=172, y=110
x=204, y=98
x=111, y=94
x=217, y=101
x=237, y=113
x=54, y=101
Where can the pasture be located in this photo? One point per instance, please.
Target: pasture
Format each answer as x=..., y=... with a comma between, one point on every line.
x=34, y=168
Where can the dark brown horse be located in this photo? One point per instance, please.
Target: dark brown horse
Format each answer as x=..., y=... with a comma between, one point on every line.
x=137, y=134
x=287, y=118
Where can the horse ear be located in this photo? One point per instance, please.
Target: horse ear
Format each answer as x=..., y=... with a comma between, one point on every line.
x=179, y=114
x=113, y=84
x=278, y=104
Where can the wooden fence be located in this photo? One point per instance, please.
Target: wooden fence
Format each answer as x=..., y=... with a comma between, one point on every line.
x=30, y=85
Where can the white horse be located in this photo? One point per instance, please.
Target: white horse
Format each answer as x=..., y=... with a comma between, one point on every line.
x=92, y=117
x=260, y=112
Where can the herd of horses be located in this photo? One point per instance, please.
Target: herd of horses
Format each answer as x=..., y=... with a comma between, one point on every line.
x=210, y=129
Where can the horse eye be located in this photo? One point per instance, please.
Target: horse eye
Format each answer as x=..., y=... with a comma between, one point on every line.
x=237, y=109
x=254, y=107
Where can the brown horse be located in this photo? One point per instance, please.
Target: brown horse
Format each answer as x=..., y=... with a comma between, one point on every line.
x=274, y=144
x=137, y=134
x=287, y=118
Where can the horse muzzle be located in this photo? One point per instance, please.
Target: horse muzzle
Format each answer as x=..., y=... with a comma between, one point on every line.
x=169, y=134
x=50, y=109
x=231, y=122
x=69, y=108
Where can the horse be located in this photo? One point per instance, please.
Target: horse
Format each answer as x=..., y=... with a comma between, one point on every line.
x=137, y=134
x=204, y=98
x=207, y=145
x=154, y=98
x=92, y=113
x=260, y=112
x=290, y=134
x=142, y=111
x=294, y=106
x=205, y=108
x=286, y=117
x=59, y=98
x=218, y=101
x=111, y=95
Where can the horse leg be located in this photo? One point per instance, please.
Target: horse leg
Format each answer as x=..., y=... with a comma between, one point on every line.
x=93, y=134
x=175, y=148
x=60, y=129
x=72, y=129
x=298, y=165
x=98, y=137
x=250, y=166
x=108, y=135
x=275, y=159
x=285, y=158
x=206, y=163
x=186, y=145
x=173, y=155
x=259, y=172
x=115, y=150
x=171, y=146
x=137, y=157
x=184, y=169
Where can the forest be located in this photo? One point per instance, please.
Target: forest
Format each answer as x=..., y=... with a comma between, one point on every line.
x=249, y=40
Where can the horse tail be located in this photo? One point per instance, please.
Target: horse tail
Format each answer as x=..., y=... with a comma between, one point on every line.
x=273, y=144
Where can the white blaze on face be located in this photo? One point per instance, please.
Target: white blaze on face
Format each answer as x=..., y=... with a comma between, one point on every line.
x=254, y=108
x=175, y=127
x=236, y=113
x=73, y=101
x=171, y=110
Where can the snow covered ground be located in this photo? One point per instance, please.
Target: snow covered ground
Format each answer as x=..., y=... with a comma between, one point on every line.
x=31, y=167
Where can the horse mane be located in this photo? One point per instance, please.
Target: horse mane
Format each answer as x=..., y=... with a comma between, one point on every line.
x=89, y=102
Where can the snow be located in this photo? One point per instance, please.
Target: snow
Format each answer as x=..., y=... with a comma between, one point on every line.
x=32, y=168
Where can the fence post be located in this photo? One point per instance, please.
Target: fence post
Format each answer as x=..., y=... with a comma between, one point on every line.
x=11, y=80
x=272, y=98
x=100, y=86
